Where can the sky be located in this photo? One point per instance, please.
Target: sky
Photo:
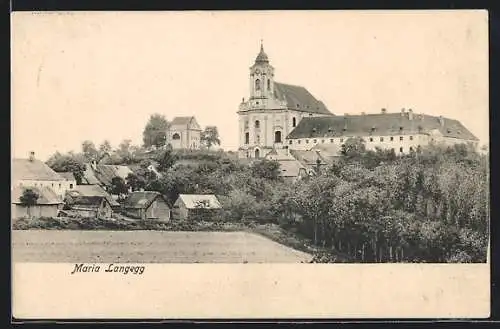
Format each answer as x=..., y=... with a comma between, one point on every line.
x=100, y=75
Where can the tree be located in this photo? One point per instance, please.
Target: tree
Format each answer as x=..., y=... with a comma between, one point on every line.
x=210, y=136
x=166, y=159
x=89, y=151
x=124, y=151
x=28, y=199
x=135, y=182
x=155, y=132
x=266, y=169
x=118, y=186
x=105, y=147
x=67, y=163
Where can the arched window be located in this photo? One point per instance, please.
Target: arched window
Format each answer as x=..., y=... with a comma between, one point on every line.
x=294, y=122
x=268, y=84
x=176, y=136
x=257, y=153
x=257, y=84
x=257, y=124
x=247, y=138
x=277, y=136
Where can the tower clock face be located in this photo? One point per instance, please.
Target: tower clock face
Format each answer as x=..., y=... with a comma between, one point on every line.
x=257, y=71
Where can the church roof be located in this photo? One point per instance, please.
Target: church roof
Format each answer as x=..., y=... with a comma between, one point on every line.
x=181, y=120
x=299, y=98
x=379, y=124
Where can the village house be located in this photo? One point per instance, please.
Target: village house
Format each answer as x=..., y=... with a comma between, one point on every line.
x=196, y=207
x=91, y=191
x=48, y=203
x=146, y=205
x=88, y=206
x=102, y=174
x=184, y=133
x=32, y=172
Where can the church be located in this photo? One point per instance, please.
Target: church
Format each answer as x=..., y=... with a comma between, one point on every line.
x=280, y=117
x=273, y=110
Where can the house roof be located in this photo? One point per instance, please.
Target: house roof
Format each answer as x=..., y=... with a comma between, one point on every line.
x=299, y=98
x=92, y=190
x=140, y=199
x=105, y=173
x=378, y=124
x=307, y=157
x=25, y=169
x=183, y=121
x=89, y=176
x=196, y=201
x=327, y=149
x=86, y=200
x=46, y=196
x=69, y=176
x=290, y=167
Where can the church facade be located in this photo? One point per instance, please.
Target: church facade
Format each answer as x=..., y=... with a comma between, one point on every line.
x=272, y=111
x=184, y=133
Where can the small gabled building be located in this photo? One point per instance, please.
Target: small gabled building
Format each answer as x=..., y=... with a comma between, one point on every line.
x=93, y=190
x=196, y=207
x=88, y=206
x=146, y=205
x=48, y=203
x=184, y=133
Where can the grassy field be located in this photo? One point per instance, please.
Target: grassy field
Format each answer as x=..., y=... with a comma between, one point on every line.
x=149, y=247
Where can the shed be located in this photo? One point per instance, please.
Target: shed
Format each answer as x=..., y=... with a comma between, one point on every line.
x=146, y=205
x=196, y=207
x=47, y=205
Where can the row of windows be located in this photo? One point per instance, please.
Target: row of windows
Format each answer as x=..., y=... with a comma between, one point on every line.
x=342, y=140
x=52, y=185
x=257, y=123
x=277, y=137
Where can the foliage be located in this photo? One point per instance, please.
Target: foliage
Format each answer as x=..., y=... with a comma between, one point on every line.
x=67, y=163
x=28, y=199
x=118, y=186
x=210, y=136
x=154, y=133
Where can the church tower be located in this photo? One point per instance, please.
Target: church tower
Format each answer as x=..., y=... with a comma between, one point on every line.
x=261, y=77
x=272, y=111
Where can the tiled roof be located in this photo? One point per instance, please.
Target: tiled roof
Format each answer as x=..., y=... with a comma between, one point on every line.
x=105, y=173
x=67, y=176
x=204, y=201
x=140, y=200
x=89, y=176
x=307, y=157
x=92, y=190
x=378, y=124
x=181, y=121
x=25, y=169
x=290, y=167
x=46, y=195
x=299, y=99
x=86, y=200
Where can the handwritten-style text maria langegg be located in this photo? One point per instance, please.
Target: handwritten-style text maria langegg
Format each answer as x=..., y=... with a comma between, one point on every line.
x=108, y=268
